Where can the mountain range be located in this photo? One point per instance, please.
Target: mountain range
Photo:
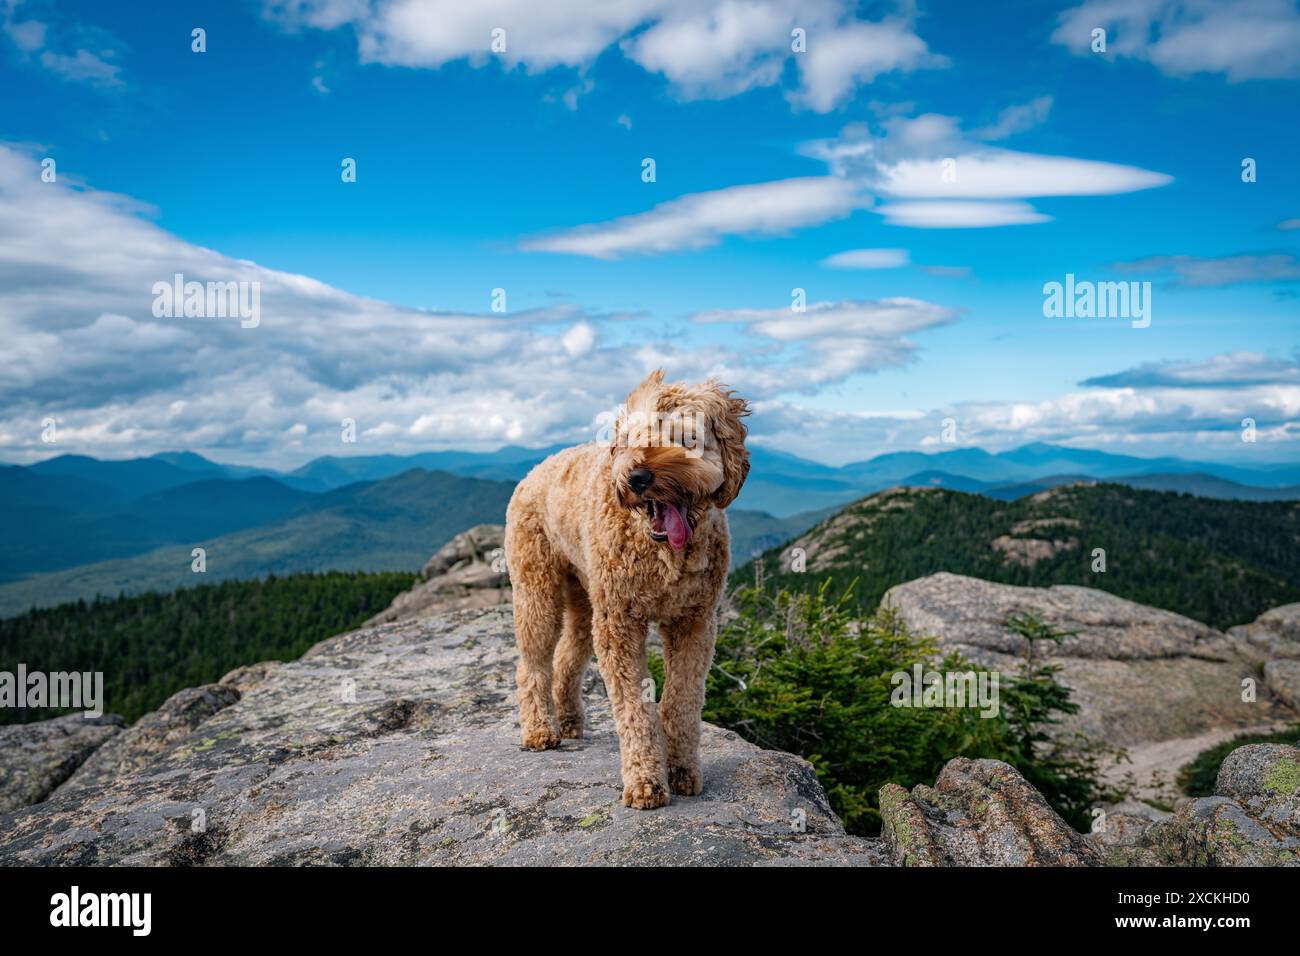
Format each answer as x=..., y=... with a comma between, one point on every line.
x=774, y=474
x=781, y=483
x=77, y=526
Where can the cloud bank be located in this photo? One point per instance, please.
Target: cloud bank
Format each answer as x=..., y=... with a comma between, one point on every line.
x=703, y=48
x=77, y=267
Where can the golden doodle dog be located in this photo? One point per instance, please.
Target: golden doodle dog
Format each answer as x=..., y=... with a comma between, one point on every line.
x=605, y=539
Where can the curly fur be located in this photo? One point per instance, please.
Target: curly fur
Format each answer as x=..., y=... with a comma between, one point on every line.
x=586, y=572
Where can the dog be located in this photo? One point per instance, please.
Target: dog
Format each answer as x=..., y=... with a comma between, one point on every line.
x=604, y=539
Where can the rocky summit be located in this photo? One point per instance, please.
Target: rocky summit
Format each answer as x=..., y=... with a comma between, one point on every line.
x=398, y=744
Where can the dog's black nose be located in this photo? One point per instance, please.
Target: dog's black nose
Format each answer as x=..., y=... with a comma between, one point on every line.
x=640, y=479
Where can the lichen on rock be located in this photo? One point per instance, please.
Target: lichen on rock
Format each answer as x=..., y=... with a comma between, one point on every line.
x=978, y=813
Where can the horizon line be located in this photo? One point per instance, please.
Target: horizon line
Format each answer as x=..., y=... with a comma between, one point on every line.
x=555, y=447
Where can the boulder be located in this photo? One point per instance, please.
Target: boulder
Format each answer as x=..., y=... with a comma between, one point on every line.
x=474, y=546
x=1139, y=674
x=467, y=572
x=399, y=744
x=1282, y=677
x=978, y=813
x=1252, y=820
x=1274, y=634
x=35, y=758
x=1124, y=824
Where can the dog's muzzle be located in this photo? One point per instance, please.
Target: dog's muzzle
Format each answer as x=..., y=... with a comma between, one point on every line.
x=669, y=522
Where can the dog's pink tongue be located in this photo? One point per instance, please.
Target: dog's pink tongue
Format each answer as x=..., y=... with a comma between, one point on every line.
x=679, y=531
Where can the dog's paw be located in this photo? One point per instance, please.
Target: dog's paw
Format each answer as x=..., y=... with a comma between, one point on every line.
x=685, y=781
x=646, y=795
x=571, y=727
x=545, y=738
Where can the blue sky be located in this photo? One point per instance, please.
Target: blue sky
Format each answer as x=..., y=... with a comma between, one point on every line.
x=522, y=170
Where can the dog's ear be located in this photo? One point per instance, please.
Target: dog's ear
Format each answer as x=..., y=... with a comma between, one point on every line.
x=726, y=413
x=649, y=384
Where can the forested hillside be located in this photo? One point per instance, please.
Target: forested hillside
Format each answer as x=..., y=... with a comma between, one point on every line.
x=1221, y=562
x=388, y=525
x=150, y=646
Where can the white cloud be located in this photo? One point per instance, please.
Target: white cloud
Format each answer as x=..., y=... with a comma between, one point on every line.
x=960, y=215
x=714, y=48
x=1017, y=119
x=845, y=337
x=579, y=339
x=321, y=14
x=1004, y=174
x=882, y=319
x=840, y=58
x=1229, y=370
x=570, y=95
x=28, y=35
x=1205, y=271
x=867, y=259
x=65, y=47
x=698, y=220
x=1241, y=39
x=960, y=183
x=82, y=67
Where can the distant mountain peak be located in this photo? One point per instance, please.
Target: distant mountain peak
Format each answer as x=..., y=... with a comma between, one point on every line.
x=186, y=459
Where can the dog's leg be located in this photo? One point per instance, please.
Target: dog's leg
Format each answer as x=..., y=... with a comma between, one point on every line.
x=620, y=652
x=688, y=652
x=571, y=659
x=537, y=582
